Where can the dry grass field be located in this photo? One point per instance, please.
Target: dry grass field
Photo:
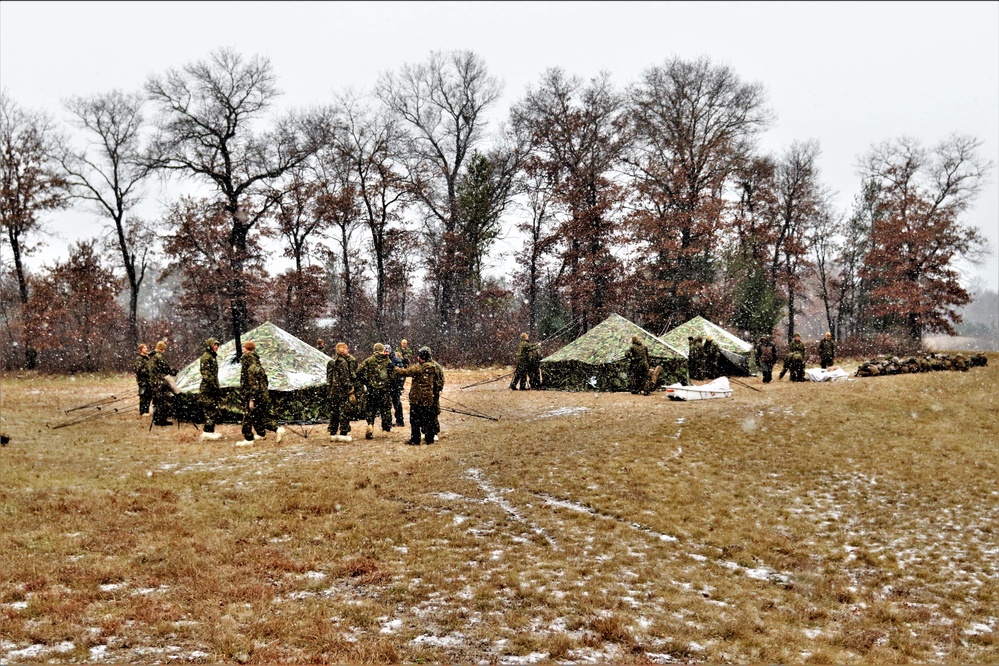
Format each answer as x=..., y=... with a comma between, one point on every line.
x=848, y=522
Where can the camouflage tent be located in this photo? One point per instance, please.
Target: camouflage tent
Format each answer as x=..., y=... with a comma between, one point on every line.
x=736, y=355
x=596, y=360
x=296, y=378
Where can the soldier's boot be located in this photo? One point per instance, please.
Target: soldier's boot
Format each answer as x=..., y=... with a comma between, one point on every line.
x=369, y=433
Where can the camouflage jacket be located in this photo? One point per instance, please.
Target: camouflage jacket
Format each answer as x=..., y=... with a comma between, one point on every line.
x=252, y=377
x=796, y=346
x=407, y=355
x=438, y=382
x=396, y=382
x=210, y=371
x=827, y=349
x=427, y=383
x=375, y=372
x=711, y=351
x=528, y=355
x=766, y=352
x=141, y=368
x=637, y=356
x=339, y=378
x=158, y=369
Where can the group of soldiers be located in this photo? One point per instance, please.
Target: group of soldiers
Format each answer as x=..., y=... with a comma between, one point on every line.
x=354, y=390
x=703, y=359
x=382, y=376
x=794, y=361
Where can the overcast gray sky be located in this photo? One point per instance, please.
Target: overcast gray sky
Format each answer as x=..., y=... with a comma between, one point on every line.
x=846, y=74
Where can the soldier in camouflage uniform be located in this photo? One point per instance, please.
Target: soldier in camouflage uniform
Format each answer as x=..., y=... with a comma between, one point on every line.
x=406, y=353
x=427, y=385
x=712, y=355
x=766, y=356
x=141, y=368
x=519, y=381
x=162, y=394
x=695, y=357
x=210, y=391
x=827, y=351
x=374, y=374
x=340, y=390
x=395, y=385
x=794, y=362
x=638, y=366
x=257, y=414
x=527, y=372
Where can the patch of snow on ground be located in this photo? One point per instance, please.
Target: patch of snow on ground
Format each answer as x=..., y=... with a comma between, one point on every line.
x=451, y=640
x=38, y=650
x=532, y=658
x=390, y=626
x=111, y=587
x=563, y=411
x=977, y=629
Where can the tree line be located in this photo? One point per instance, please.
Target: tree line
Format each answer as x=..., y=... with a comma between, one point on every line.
x=651, y=199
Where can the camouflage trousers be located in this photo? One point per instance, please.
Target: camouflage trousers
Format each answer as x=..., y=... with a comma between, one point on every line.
x=145, y=398
x=162, y=406
x=210, y=406
x=638, y=379
x=379, y=403
x=422, y=420
x=340, y=409
x=397, y=407
x=260, y=418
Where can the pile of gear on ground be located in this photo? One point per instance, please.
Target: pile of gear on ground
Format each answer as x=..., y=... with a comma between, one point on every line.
x=893, y=365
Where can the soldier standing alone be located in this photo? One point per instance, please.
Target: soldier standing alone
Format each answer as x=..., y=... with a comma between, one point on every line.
x=827, y=351
x=638, y=366
x=340, y=391
x=712, y=354
x=210, y=390
x=695, y=358
x=141, y=368
x=766, y=356
x=794, y=362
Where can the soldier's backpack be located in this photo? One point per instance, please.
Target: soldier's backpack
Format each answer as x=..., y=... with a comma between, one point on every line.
x=378, y=375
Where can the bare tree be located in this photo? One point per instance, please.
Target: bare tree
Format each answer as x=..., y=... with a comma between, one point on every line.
x=338, y=205
x=301, y=222
x=692, y=124
x=441, y=102
x=108, y=172
x=371, y=143
x=540, y=234
x=210, y=112
x=802, y=202
x=31, y=182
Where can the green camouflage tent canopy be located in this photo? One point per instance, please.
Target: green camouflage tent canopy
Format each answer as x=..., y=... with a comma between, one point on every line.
x=736, y=352
x=595, y=361
x=296, y=378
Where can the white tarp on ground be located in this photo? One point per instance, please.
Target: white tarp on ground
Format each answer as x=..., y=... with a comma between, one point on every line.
x=833, y=374
x=717, y=388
